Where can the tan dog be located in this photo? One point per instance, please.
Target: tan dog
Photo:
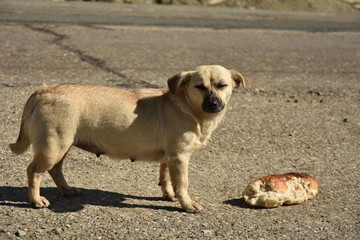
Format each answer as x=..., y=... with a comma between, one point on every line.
x=162, y=125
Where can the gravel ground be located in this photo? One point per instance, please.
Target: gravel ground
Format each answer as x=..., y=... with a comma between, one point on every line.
x=301, y=114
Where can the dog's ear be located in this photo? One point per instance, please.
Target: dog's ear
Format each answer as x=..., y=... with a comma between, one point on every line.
x=239, y=79
x=178, y=81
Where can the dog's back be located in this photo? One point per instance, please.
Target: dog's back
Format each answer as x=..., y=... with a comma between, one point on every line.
x=98, y=119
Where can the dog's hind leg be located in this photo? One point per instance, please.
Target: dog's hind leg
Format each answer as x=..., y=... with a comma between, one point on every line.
x=35, y=171
x=165, y=183
x=59, y=179
x=45, y=159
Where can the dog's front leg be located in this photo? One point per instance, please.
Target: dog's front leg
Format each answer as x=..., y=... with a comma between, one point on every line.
x=178, y=168
x=165, y=182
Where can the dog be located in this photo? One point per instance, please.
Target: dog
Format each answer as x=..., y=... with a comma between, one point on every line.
x=162, y=125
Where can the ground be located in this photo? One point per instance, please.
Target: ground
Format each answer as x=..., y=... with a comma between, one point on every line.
x=301, y=114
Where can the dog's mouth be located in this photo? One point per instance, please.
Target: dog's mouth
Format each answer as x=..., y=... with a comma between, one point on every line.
x=212, y=104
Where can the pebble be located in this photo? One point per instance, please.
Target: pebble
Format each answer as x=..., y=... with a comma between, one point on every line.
x=207, y=232
x=20, y=233
x=57, y=231
x=7, y=84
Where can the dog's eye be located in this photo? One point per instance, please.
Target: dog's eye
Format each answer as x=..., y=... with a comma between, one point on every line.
x=221, y=85
x=201, y=87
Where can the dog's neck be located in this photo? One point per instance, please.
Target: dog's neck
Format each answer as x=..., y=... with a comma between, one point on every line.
x=205, y=122
x=208, y=125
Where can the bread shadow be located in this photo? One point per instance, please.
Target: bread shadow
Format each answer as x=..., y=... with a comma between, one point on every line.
x=17, y=197
x=240, y=202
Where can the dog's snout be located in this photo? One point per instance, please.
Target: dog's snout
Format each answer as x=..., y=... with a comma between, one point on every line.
x=212, y=104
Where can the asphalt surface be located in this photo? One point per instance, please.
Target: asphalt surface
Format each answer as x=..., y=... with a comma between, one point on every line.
x=169, y=16
x=300, y=115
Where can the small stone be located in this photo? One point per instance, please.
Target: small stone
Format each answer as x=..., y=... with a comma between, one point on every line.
x=57, y=231
x=20, y=233
x=8, y=84
x=259, y=90
x=207, y=232
x=214, y=2
x=315, y=92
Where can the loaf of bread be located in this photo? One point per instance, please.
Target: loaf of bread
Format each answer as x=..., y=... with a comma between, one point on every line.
x=275, y=190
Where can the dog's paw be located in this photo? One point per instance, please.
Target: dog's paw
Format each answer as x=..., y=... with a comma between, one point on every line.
x=193, y=207
x=169, y=197
x=168, y=192
x=70, y=192
x=41, y=202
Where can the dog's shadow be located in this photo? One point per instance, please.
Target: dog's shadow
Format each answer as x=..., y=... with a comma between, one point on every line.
x=17, y=197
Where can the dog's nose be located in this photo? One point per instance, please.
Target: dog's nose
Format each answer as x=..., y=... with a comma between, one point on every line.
x=212, y=104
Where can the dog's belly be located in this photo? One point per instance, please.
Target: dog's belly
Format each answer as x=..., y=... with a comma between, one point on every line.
x=136, y=151
x=155, y=155
x=146, y=155
x=130, y=149
x=90, y=148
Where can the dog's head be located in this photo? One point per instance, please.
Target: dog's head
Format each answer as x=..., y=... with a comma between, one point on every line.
x=208, y=88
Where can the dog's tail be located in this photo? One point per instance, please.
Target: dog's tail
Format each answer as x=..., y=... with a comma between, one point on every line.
x=23, y=142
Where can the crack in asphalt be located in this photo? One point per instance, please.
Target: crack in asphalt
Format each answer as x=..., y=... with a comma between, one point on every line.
x=93, y=61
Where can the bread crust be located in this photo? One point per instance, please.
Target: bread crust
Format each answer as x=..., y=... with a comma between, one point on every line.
x=282, y=189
